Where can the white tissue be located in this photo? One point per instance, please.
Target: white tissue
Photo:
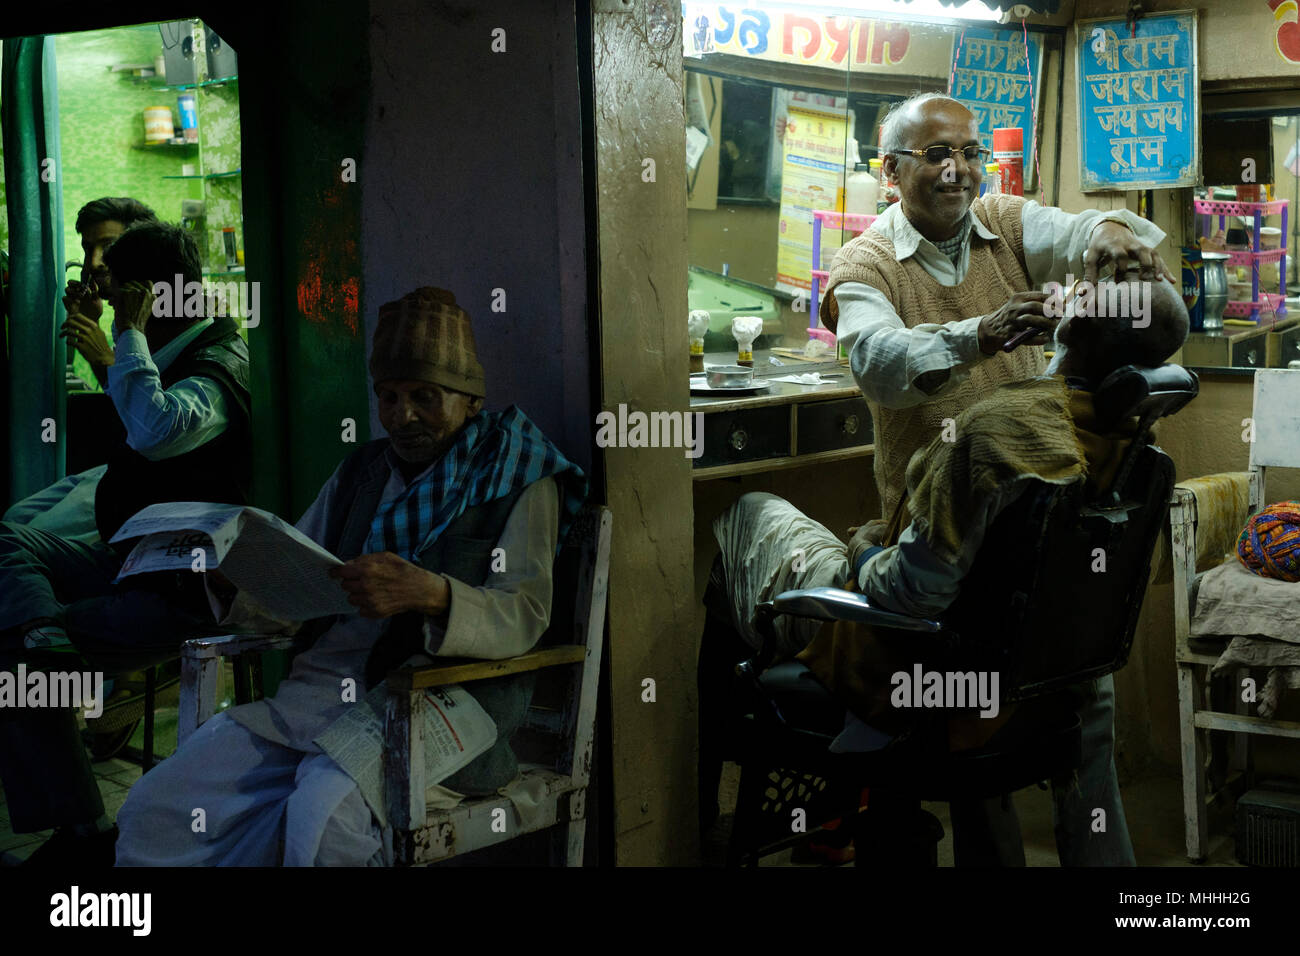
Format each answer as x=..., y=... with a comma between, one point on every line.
x=746, y=328
x=807, y=378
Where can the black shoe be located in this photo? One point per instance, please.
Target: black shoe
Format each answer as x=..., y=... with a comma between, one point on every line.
x=68, y=850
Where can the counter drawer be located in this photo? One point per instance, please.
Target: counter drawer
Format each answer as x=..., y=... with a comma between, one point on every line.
x=828, y=426
x=1249, y=351
x=750, y=434
x=1284, y=347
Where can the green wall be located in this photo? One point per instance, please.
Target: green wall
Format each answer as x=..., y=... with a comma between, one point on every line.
x=101, y=123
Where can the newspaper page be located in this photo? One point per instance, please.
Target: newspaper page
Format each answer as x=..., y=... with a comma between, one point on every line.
x=282, y=569
x=456, y=730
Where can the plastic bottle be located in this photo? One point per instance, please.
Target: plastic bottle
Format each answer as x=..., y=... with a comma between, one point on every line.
x=877, y=170
x=992, y=180
x=860, y=191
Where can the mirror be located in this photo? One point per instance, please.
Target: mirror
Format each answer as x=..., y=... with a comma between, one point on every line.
x=1261, y=315
x=783, y=101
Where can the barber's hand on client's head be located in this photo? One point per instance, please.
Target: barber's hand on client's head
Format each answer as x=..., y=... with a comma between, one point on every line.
x=1114, y=244
x=1024, y=310
x=383, y=584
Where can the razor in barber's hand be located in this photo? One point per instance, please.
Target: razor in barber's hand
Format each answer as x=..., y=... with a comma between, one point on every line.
x=1024, y=335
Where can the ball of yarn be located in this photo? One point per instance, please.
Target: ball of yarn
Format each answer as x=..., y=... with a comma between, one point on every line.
x=1269, y=545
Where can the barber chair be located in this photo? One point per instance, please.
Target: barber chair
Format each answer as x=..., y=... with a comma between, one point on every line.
x=1038, y=559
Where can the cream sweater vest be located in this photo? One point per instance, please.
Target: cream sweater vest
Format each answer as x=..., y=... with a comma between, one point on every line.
x=997, y=270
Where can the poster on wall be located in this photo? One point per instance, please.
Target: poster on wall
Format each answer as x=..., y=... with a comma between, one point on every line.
x=812, y=177
x=1139, y=103
x=996, y=79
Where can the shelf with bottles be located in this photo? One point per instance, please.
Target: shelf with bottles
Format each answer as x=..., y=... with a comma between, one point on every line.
x=1268, y=304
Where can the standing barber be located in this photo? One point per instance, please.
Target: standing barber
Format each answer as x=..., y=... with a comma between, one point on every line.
x=925, y=298
x=923, y=302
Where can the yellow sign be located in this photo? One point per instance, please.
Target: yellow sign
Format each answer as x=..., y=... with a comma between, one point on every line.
x=812, y=177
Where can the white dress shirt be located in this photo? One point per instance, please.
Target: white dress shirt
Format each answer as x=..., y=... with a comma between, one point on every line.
x=887, y=358
x=163, y=423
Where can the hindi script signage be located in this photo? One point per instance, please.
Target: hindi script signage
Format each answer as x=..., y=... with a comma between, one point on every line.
x=994, y=78
x=1139, y=103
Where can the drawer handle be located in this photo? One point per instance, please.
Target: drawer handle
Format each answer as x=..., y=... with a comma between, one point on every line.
x=1251, y=357
x=738, y=438
x=849, y=425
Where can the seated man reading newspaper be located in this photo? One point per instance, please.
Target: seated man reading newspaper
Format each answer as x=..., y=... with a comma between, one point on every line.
x=447, y=532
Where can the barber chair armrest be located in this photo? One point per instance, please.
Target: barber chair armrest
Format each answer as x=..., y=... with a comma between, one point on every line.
x=836, y=604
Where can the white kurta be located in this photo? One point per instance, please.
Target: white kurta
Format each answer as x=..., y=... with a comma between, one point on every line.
x=267, y=792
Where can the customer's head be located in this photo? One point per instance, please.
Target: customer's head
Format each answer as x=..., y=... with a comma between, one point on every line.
x=101, y=221
x=935, y=195
x=426, y=371
x=1132, y=323
x=152, y=252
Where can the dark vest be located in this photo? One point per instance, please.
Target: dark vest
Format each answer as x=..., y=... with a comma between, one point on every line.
x=219, y=470
x=463, y=551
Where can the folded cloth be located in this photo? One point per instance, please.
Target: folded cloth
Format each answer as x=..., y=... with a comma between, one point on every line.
x=1231, y=601
x=1281, y=658
x=1259, y=615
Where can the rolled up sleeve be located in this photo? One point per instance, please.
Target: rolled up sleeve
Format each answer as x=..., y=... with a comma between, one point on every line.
x=895, y=366
x=1055, y=240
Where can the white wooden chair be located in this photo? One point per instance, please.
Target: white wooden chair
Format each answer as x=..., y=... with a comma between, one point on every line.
x=421, y=835
x=1277, y=444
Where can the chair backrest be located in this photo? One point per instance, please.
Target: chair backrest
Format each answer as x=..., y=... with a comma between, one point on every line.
x=1054, y=594
x=559, y=724
x=1276, y=419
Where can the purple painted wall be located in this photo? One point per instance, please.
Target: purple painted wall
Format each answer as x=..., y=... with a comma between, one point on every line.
x=472, y=181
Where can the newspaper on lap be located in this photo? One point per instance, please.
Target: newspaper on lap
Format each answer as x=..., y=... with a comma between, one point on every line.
x=456, y=730
x=280, y=568
x=286, y=577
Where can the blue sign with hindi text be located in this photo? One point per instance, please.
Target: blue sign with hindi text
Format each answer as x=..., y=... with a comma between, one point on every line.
x=994, y=78
x=1139, y=108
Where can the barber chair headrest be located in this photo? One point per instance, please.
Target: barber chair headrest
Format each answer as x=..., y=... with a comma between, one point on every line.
x=1148, y=393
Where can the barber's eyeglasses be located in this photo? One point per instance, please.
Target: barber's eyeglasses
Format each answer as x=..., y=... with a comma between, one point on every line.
x=937, y=155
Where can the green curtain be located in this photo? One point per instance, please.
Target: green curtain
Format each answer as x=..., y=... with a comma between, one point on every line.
x=36, y=357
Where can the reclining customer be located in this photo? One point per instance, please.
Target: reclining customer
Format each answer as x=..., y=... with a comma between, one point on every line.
x=421, y=519
x=1044, y=428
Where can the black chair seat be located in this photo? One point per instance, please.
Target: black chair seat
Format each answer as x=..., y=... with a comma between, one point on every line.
x=802, y=700
x=1041, y=741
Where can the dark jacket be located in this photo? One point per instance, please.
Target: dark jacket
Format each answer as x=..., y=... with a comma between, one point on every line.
x=219, y=470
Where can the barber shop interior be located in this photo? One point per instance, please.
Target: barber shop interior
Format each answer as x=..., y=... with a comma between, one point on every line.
x=653, y=434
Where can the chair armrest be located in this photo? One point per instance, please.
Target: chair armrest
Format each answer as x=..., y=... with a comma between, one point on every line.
x=438, y=675
x=835, y=604
x=228, y=645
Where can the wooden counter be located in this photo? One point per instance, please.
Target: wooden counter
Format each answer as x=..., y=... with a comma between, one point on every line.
x=785, y=426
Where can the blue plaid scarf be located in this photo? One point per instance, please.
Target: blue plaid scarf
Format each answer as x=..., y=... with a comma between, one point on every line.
x=495, y=454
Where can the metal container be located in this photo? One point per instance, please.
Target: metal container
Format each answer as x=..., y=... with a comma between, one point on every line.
x=729, y=376
x=1214, y=292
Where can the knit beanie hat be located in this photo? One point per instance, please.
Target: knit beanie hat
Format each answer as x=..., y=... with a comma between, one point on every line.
x=426, y=337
